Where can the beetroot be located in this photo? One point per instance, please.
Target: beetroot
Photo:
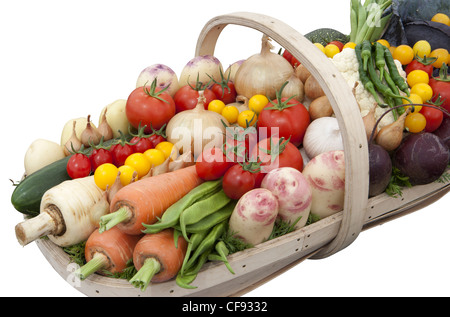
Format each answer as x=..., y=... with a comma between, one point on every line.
x=444, y=131
x=380, y=169
x=423, y=157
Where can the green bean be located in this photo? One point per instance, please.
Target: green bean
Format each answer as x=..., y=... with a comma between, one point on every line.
x=364, y=78
x=184, y=280
x=213, y=219
x=223, y=251
x=393, y=71
x=201, y=209
x=194, y=242
x=208, y=242
x=171, y=216
x=394, y=88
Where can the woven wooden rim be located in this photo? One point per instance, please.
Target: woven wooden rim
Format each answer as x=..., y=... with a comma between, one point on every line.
x=341, y=98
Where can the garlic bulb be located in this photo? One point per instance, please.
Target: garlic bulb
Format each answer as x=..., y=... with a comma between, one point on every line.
x=90, y=134
x=322, y=135
x=262, y=73
x=73, y=144
x=194, y=129
x=104, y=128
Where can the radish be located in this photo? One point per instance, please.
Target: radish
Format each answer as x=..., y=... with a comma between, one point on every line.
x=293, y=193
x=326, y=175
x=254, y=216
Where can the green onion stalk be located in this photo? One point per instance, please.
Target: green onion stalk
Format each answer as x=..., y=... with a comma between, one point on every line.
x=367, y=21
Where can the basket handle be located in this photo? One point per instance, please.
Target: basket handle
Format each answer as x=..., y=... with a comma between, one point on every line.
x=342, y=101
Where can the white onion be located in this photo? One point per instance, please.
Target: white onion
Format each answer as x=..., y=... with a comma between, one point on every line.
x=322, y=135
x=165, y=77
x=204, y=67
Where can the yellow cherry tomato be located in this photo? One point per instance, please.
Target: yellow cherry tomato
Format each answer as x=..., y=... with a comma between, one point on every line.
x=404, y=54
x=320, y=47
x=126, y=174
x=257, y=103
x=415, y=122
x=247, y=118
x=168, y=149
x=105, y=175
x=156, y=157
x=441, y=55
x=331, y=50
x=349, y=45
x=139, y=162
x=230, y=113
x=417, y=76
x=422, y=48
x=384, y=42
x=216, y=105
x=441, y=18
x=392, y=49
x=423, y=90
x=416, y=99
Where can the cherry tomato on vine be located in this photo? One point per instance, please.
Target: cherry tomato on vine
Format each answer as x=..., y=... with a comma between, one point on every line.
x=127, y=174
x=100, y=156
x=441, y=88
x=79, y=165
x=420, y=64
x=225, y=91
x=120, y=152
x=141, y=144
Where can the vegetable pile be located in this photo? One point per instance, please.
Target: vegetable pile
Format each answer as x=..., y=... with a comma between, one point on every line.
x=188, y=170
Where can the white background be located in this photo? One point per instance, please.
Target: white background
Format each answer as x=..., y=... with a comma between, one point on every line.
x=64, y=59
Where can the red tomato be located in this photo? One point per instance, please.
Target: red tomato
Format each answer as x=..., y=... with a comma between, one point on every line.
x=420, y=64
x=288, y=154
x=287, y=55
x=99, y=157
x=433, y=116
x=152, y=107
x=186, y=98
x=120, y=152
x=339, y=44
x=225, y=91
x=294, y=62
x=212, y=164
x=156, y=139
x=237, y=181
x=289, y=117
x=442, y=89
x=141, y=144
x=78, y=166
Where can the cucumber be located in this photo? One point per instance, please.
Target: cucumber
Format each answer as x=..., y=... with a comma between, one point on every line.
x=27, y=195
x=326, y=35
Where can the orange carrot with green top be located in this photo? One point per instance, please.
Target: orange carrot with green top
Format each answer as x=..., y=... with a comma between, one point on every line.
x=145, y=200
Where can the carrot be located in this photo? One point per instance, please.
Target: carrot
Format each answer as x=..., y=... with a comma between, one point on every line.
x=110, y=251
x=145, y=200
x=158, y=258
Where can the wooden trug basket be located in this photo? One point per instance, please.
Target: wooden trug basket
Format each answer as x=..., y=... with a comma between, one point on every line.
x=319, y=240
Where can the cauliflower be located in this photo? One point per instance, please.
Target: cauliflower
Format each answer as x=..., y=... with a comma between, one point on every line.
x=347, y=64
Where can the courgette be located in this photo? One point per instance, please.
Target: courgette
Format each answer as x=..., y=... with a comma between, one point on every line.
x=26, y=197
x=326, y=35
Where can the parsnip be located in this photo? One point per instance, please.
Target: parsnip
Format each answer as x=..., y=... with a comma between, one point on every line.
x=64, y=214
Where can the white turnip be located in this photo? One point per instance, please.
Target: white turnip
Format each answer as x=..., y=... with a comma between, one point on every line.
x=164, y=75
x=326, y=175
x=293, y=193
x=41, y=153
x=254, y=216
x=203, y=68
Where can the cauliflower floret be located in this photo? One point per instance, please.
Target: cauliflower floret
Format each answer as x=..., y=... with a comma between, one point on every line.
x=347, y=63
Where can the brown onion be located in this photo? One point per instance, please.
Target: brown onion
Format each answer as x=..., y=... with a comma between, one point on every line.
x=262, y=73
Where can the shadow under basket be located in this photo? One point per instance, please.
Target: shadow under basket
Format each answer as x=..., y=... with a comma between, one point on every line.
x=257, y=265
